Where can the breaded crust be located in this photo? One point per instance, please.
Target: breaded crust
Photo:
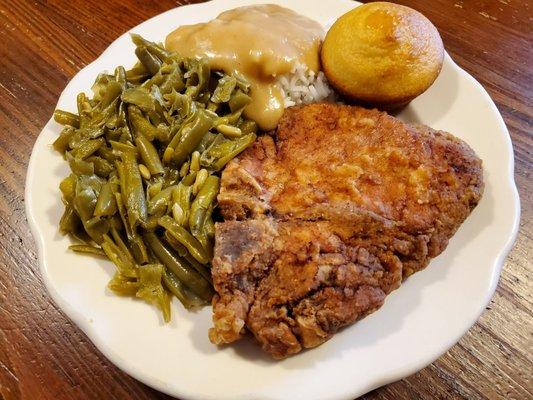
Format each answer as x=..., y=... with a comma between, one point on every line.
x=327, y=217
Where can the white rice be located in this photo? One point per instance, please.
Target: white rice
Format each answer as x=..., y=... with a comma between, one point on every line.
x=303, y=86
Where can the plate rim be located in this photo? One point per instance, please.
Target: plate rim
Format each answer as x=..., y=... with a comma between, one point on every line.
x=82, y=323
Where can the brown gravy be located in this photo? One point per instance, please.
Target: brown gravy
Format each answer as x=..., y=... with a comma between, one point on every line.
x=261, y=42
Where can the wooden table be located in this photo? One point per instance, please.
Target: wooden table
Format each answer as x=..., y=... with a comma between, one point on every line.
x=44, y=356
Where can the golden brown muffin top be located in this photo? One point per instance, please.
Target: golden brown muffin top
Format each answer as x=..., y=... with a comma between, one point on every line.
x=382, y=53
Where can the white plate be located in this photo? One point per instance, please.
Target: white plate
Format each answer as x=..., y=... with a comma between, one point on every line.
x=418, y=322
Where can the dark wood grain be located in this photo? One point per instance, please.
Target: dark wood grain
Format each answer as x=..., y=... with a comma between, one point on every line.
x=43, y=356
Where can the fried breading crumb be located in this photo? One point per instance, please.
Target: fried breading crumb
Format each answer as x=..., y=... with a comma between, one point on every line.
x=327, y=217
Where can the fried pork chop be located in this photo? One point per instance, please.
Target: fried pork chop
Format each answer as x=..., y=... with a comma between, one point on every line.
x=326, y=217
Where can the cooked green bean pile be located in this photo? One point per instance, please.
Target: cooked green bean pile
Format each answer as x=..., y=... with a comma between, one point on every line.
x=145, y=153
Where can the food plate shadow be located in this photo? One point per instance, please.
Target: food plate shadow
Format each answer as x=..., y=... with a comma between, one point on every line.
x=201, y=322
x=248, y=349
x=434, y=104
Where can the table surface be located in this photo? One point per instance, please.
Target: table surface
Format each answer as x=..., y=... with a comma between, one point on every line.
x=44, y=356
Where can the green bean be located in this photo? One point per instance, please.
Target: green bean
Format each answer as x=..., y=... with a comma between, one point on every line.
x=70, y=221
x=229, y=119
x=192, y=137
x=106, y=205
x=83, y=135
x=156, y=80
x=123, y=286
x=123, y=216
x=200, y=268
x=124, y=264
x=62, y=141
x=239, y=100
x=192, y=279
x=138, y=250
x=178, y=289
x=95, y=228
x=203, y=99
x=154, y=188
x=120, y=76
x=248, y=126
x=142, y=125
x=151, y=289
x=219, y=154
x=178, y=128
x=176, y=135
x=99, y=88
x=201, y=204
x=185, y=238
x=174, y=81
x=171, y=177
x=224, y=89
x=206, y=142
x=148, y=60
x=137, y=74
x=102, y=167
x=175, y=245
x=242, y=82
x=159, y=51
x=149, y=154
x=121, y=120
x=106, y=116
x=151, y=223
x=135, y=200
x=139, y=97
x=145, y=156
x=93, y=223
x=107, y=154
x=80, y=167
x=211, y=114
x=82, y=248
x=90, y=181
x=87, y=148
x=84, y=109
x=159, y=204
x=84, y=203
x=112, y=91
x=117, y=238
x=68, y=188
x=119, y=167
x=197, y=76
x=167, y=155
x=155, y=49
x=214, y=107
x=77, y=138
x=158, y=117
x=66, y=118
x=115, y=223
x=209, y=225
x=189, y=179
x=203, y=239
x=120, y=148
x=181, y=103
x=125, y=135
